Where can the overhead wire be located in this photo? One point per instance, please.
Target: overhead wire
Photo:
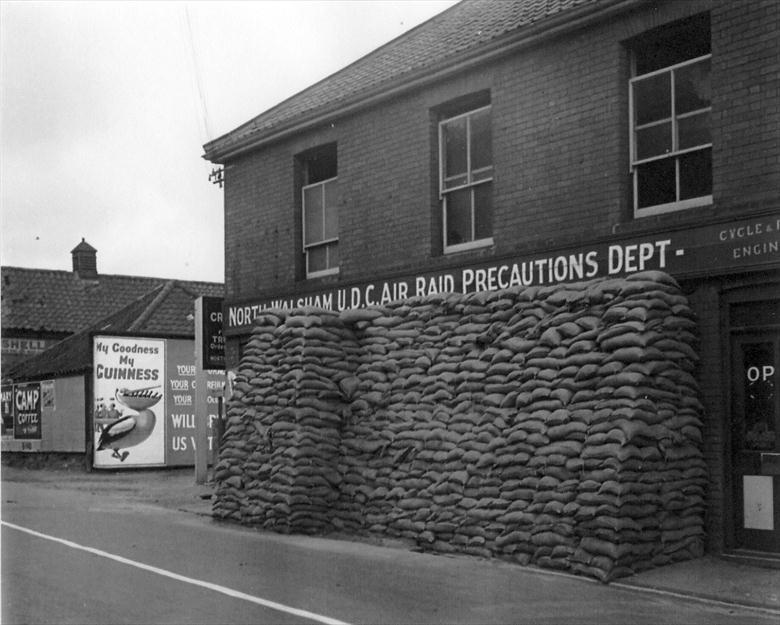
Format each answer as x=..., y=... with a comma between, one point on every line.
x=196, y=73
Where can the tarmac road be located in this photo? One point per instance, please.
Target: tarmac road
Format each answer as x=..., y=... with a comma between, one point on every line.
x=83, y=552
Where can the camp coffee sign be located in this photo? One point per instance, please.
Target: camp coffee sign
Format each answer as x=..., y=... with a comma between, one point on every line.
x=27, y=410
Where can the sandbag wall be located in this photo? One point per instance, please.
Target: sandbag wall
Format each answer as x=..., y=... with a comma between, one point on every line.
x=278, y=462
x=559, y=426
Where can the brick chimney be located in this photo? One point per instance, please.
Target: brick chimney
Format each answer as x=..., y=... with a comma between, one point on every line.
x=84, y=260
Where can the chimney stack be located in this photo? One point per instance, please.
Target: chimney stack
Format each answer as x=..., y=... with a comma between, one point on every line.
x=84, y=260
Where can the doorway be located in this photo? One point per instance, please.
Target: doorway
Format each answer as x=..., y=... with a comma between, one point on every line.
x=755, y=440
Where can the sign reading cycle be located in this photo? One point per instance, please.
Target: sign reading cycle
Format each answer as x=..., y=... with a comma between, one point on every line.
x=744, y=244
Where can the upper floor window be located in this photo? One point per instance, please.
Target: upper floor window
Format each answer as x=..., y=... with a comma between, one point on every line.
x=320, y=212
x=670, y=101
x=465, y=179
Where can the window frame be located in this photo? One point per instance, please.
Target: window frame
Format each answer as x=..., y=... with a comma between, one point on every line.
x=322, y=243
x=674, y=153
x=470, y=183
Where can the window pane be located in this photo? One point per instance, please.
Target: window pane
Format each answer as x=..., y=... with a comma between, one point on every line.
x=321, y=165
x=653, y=141
x=458, y=206
x=316, y=259
x=331, y=211
x=333, y=255
x=312, y=214
x=673, y=43
x=454, y=147
x=481, y=140
x=693, y=131
x=692, y=87
x=656, y=183
x=653, y=99
x=483, y=211
x=757, y=426
x=696, y=174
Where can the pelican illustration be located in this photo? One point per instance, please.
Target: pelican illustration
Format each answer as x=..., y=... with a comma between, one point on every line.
x=128, y=431
x=131, y=429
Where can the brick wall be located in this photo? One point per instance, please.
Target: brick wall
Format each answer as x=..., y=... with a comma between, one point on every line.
x=746, y=103
x=560, y=152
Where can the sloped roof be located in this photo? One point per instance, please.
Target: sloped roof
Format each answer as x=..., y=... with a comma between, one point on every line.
x=83, y=247
x=466, y=29
x=45, y=300
x=164, y=310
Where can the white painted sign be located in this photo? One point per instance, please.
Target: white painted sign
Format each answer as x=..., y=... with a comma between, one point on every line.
x=129, y=410
x=759, y=502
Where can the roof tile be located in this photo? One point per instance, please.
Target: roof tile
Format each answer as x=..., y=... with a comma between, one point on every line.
x=60, y=301
x=164, y=310
x=463, y=27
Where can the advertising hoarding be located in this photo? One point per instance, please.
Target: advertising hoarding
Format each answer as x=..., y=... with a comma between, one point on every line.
x=181, y=383
x=27, y=410
x=7, y=409
x=129, y=411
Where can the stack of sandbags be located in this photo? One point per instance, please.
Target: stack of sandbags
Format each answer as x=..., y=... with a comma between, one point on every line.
x=555, y=425
x=281, y=446
x=254, y=379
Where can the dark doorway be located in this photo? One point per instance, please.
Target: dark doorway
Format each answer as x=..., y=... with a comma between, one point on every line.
x=755, y=444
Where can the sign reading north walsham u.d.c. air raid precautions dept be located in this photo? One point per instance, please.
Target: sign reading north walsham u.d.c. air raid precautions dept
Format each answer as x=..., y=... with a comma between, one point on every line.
x=732, y=246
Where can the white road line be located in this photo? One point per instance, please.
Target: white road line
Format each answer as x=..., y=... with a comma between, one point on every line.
x=188, y=580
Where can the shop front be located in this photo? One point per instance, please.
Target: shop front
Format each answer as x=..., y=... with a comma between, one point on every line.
x=730, y=272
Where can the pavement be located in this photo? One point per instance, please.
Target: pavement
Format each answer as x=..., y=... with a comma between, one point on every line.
x=711, y=579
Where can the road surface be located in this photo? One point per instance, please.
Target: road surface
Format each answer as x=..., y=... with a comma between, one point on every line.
x=75, y=556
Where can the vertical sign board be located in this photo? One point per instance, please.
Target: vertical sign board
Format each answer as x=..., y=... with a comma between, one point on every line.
x=7, y=410
x=213, y=346
x=180, y=411
x=209, y=355
x=27, y=411
x=129, y=389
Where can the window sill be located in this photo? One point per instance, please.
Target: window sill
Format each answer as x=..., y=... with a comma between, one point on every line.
x=672, y=207
x=670, y=220
x=466, y=247
x=322, y=274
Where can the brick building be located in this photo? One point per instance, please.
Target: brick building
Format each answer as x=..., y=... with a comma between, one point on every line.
x=40, y=307
x=537, y=142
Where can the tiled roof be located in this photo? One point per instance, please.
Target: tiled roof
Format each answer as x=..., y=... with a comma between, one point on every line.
x=163, y=310
x=45, y=300
x=446, y=38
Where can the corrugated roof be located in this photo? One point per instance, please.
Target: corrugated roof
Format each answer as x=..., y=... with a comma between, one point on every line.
x=45, y=300
x=464, y=28
x=164, y=310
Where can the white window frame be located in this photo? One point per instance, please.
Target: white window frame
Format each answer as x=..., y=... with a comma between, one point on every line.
x=470, y=183
x=325, y=242
x=675, y=153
